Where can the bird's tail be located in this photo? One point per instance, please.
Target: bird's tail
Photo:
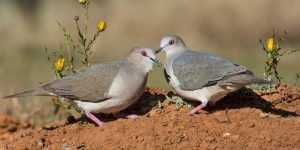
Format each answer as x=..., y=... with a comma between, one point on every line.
x=37, y=92
x=245, y=79
x=249, y=78
x=261, y=81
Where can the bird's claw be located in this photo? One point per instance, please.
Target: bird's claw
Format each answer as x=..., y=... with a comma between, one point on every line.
x=133, y=116
x=192, y=113
x=126, y=116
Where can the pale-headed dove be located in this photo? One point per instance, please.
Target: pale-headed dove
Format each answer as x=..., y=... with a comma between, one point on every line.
x=201, y=76
x=103, y=88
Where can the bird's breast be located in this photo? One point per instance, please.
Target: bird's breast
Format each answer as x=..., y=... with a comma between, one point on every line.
x=128, y=85
x=170, y=77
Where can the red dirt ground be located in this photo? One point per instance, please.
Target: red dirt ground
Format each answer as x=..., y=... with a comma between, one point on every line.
x=242, y=120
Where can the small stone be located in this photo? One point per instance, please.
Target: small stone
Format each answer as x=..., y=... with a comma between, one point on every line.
x=252, y=125
x=264, y=115
x=152, y=113
x=221, y=117
x=210, y=139
x=39, y=129
x=65, y=146
x=40, y=142
x=226, y=135
x=135, y=137
x=164, y=124
x=81, y=146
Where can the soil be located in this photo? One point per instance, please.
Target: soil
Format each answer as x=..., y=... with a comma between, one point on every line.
x=242, y=120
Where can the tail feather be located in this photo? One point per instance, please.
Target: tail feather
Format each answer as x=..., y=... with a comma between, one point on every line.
x=245, y=79
x=38, y=92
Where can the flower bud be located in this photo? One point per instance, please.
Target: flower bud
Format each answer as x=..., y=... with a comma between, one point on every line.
x=76, y=18
x=59, y=65
x=83, y=2
x=270, y=44
x=101, y=25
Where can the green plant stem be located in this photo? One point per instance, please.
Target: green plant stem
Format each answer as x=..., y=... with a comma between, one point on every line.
x=289, y=52
x=69, y=38
x=86, y=18
x=82, y=39
x=93, y=40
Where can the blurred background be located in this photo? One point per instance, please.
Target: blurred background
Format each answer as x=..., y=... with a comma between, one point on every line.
x=230, y=29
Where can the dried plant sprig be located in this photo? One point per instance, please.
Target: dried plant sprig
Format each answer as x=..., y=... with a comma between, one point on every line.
x=86, y=17
x=101, y=27
x=70, y=43
x=69, y=39
x=81, y=38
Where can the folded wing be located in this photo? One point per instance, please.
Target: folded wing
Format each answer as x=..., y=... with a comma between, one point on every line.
x=91, y=84
x=196, y=70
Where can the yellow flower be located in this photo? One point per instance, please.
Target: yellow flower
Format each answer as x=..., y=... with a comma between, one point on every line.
x=270, y=44
x=82, y=1
x=59, y=65
x=101, y=25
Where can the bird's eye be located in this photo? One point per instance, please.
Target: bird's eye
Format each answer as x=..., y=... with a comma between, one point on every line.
x=143, y=53
x=171, y=42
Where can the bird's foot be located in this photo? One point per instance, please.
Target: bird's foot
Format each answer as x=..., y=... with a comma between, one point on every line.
x=94, y=118
x=195, y=110
x=127, y=116
x=133, y=116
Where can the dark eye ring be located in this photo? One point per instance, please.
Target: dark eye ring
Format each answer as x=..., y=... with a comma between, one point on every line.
x=171, y=42
x=144, y=53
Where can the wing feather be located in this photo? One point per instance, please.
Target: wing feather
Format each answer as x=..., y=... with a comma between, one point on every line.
x=196, y=70
x=91, y=84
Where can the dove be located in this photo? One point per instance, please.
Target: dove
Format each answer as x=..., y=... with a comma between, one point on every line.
x=200, y=76
x=103, y=88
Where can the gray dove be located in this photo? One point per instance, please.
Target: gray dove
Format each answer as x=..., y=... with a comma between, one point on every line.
x=107, y=88
x=201, y=76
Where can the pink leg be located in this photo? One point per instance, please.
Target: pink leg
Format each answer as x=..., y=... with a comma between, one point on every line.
x=127, y=116
x=195, y=110
x=94, y=118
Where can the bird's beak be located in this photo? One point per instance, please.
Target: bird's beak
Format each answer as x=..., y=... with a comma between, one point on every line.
x=159, y=49
x=155, y=61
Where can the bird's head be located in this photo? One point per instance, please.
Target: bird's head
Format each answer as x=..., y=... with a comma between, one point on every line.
x=143, y=57
x=171, y=43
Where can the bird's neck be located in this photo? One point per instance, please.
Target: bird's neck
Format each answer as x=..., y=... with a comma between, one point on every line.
x=140, y=68
x=145, y=67
x=174, y=53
